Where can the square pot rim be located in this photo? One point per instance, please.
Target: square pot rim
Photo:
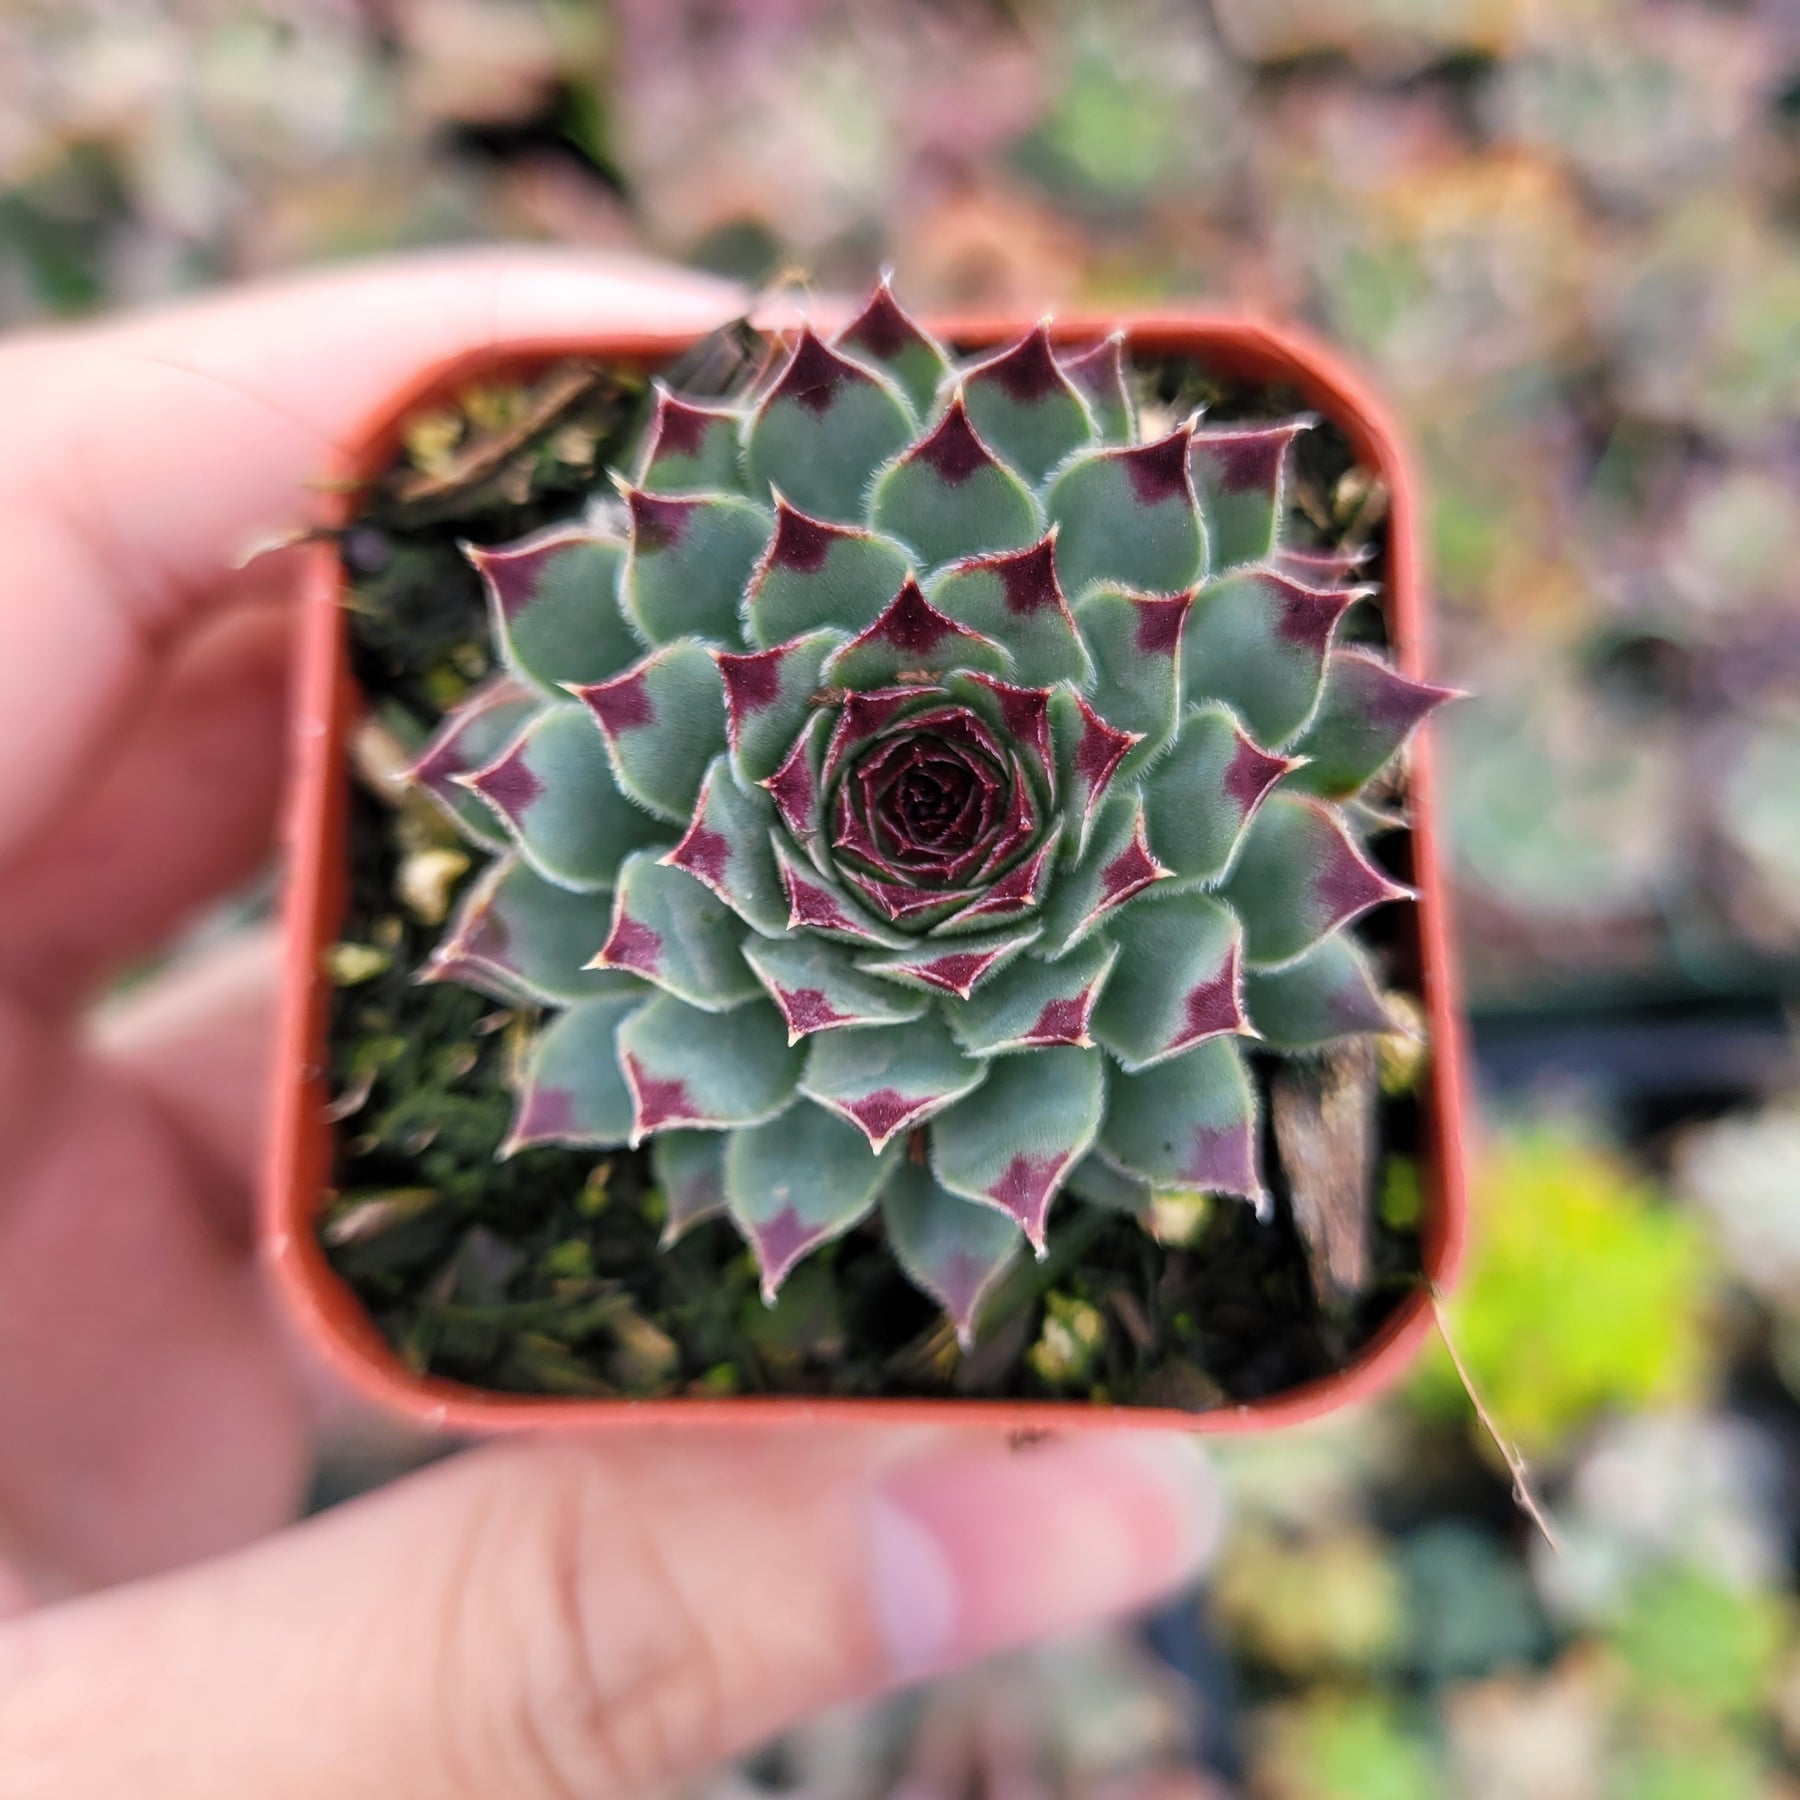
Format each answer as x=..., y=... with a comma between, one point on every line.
x=333, y=1320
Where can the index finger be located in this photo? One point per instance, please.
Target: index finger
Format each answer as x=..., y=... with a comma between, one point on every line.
x=143, y=455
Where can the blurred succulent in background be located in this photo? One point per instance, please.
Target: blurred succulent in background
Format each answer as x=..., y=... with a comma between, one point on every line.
x=1585, y=1292
x=919, y=798
x=1677, y=1489
x=1744, y=1172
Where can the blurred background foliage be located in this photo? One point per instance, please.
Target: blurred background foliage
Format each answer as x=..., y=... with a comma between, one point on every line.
x=1562, y=234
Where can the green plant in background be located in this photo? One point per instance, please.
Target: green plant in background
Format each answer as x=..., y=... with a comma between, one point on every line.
x=1699, y=1650
x=1585, y=1292
x=1315, y=1602
x=915, y=793
x=1345, y=1745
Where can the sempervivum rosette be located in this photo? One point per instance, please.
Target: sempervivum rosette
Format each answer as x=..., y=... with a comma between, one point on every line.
x=913, y=795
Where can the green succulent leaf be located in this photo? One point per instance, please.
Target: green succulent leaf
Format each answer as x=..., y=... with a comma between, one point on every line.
x=1101, y=1182
x=669, y=929
x=1018, y=893
x=1016, y=600
x=1136, y=644
x=554, y=793
x=953, y=1249
x=1365, y=715
x=949, y=496
x=817, y=576
x=816, y=902
x=1023, y=403
x=885, y=336
x=690, y=559
x=727, y=847
x=1321, y=568
x=1258, y=642
x=1010, y=1144
x=823, y=429
x=797, y=788
x=573, y=1091
x=818, y=987
x=1299, y=877
x=1032, y=1005
x=1200, y=796
x=955, y=965
x=1127, y=516
x=912, y=638
x=768, y=695
x=689, y=1167
x=691, y=448
x=470, y=738
x=886, y=1079
x=1329, y=993
x=554, y=607
x=528, y=934
x=1240, y=475
x=1017, y=715
x=1190, y=1122
x=1116, y=866
x=1100, y=375
x=1179, y=979
x=663, y=721
x=712, y=1071
x=796, y=1183
x=1088, y=754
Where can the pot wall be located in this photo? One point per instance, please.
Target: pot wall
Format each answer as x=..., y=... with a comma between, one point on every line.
x=329, y=1314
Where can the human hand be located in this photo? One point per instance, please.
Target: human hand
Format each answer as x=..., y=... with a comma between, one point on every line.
x=529, y=1618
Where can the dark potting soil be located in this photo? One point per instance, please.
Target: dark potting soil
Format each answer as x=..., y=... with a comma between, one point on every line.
x=543, y=1273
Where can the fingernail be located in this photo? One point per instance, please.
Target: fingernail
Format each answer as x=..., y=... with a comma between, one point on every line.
x=974, y=1550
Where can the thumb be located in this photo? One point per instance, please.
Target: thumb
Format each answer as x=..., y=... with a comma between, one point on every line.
x=588, y=1617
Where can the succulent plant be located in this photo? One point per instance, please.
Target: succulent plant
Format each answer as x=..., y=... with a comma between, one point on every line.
x=912, y=792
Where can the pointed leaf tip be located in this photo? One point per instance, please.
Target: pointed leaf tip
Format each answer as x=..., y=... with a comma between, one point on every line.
x=1023, y=402
x=951, y=1247
x=1128, y=516
x=1188, y=1122
x=1199, y=797
x=1099, y=372
x=1011, y=1144
x=1178, y=981
x=815, y=575
x=953, y=965
x=1300, y=877
x=908, y=637
x=663, y=721
x=709, y=1071
x=552, y=601
x=887, y=1079
x=885, y=334
x=1036, y=1005
x=1258, y=641
x=1016, y=598
x=690, y=446
x=690, y=1169
x=1365, y=717
x=1240, y=474
x=1088, y=754
x=690, y=558
x=949, y=495
x=823, y=428
x=796, y=1183
x=554, y=793
x=670, y=929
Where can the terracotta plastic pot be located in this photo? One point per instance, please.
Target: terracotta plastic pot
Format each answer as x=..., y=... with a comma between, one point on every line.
x=330, y=1315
